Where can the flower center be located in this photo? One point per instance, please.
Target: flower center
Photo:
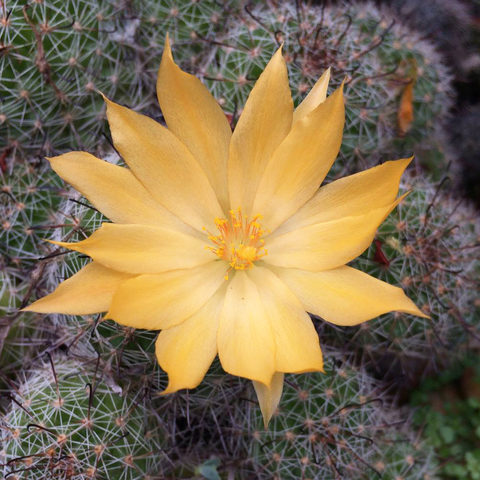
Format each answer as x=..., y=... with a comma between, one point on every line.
x=239, y=241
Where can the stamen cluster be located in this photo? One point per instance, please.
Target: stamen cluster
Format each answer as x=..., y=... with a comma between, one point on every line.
x=239, y=242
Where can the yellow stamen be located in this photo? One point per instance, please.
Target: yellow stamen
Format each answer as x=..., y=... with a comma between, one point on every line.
x=243, y=237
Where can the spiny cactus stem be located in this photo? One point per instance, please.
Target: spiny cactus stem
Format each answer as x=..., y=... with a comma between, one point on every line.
x=41, y=60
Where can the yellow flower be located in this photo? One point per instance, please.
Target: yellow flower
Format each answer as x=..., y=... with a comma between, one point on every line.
x=223, y=241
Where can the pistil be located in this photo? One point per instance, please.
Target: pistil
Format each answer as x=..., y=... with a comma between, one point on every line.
x=239, y=241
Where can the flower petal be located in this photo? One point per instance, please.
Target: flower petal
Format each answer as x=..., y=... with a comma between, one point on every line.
x=186, y=351
x=245, y=339
x=269, y=397
x=345, y=296
x=88, y=291
x=328, y=244
x=301, y=162
x=297, y=347
x=114, y=190
x=350, y=196
x=264, y=123
x=164, y=165
x=195, y=117
x=315, y=97
x=157, y=302
x=142, y=248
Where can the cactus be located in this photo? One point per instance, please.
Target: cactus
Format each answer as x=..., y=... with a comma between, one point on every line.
x=42, y=266
x=29, y=205
x=68, y=421
x=220, y=417
x=340, y=421
x=428, y=246
x=378, y=57
x=57, y=55
x=190, y=24
x=53, y=61
x=28, y=208
x=57, y=108
x=336, y=425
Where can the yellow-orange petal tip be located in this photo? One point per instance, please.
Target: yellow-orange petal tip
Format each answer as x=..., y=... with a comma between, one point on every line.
x=60, y=244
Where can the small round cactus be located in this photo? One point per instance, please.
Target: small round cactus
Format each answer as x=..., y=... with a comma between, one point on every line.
x=67, y=420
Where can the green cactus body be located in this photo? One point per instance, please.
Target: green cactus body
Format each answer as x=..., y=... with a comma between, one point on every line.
x=29, y=212
x=77, y=425
x=57, y=54
x=189, y=23
x=29, y=202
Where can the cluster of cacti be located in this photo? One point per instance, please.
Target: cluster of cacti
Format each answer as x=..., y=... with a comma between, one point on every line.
x=71, y=418
x=223, y=414
x=429, y=247
x=96, y=409
x=87, y=46
x=337, y=425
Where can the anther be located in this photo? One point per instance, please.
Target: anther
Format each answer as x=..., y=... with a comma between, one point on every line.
x=244, y=239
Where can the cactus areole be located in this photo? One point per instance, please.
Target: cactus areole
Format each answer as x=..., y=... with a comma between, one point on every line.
x=223, y=241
